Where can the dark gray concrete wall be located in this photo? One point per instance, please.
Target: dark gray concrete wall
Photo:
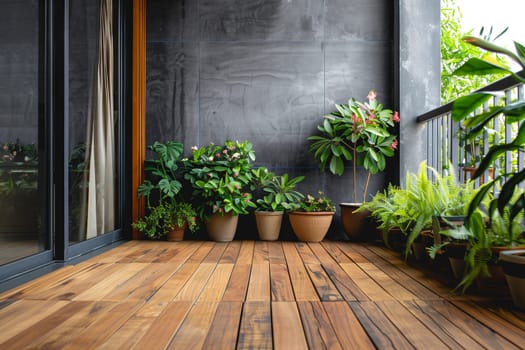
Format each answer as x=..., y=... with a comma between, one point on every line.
x=419, y=77
x=266, y=71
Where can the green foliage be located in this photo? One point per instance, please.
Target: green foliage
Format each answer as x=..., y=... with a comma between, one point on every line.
x=317, y=204
x=357, y=132
x=463, y=110
x=455, y=52
x=279, y=191
x=163, y=217
x=164, y=170
x=221, y=177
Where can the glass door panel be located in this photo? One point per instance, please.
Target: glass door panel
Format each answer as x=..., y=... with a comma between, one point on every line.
x=92, y=120
x=23, y=184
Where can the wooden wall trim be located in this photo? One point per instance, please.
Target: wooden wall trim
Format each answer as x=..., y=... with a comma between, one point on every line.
x=138, y=140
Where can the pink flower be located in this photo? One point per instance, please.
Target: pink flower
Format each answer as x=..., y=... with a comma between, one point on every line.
x=394, y=144
x=354, y=118
x=210, y=175
x=225, y=151
x=193, y=148
x=217, y=155
x=395, y=117
x=371, y=95
x=220, y=210
x=235, y=174
x=372, y=116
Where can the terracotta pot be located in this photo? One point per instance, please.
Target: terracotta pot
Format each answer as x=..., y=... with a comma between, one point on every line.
x=268, y=224
x=176, y=234
x=357, y=226
x=310, y=227
x=513, y=263
x=221, y=228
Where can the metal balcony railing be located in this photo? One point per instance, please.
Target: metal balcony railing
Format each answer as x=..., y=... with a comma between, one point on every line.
x=446, y=148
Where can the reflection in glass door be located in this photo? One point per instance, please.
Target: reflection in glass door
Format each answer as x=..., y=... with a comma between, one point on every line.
x=92, y=120
x=23, y=189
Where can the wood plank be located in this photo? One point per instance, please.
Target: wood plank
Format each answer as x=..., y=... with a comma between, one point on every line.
x=399, y=272
x=143, y=284
x=439, y=325
x=193, y=331
x=302, y=285
x=223, y=330
x=97, y=332
x=373, y=290
x=507, y=312
x=288, y=332
x=198, y=256
x=346, y=248
x=231, y=253
x=32, y=334
x=383, y=333
x=64, y=334
x=185, y=251
x=259, y=285
x=193, y=288
x=99, y=290
x=256, y=326
x=349, y=331
x=280, y=284
x=246, y=253
x=260, y=252
x=324, y=286
x=472, y=327
x=127, y=336
x=275, y=253
x=494, y=322
x=168, y=291
x=345, y=285
x=165, y=326
x=443, y=330
x=215, y=253
x=390, y=285
x=335, y=252
x=238, y=283
x=321, y=253
x=76, y=284
x=415, y=331
x=317, y=327
x=216, y=285
x=14, y=319
x=306, y=253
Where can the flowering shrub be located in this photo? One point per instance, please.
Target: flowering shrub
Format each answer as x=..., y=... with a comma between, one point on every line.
x=317, y=204
x=221, y=178
x=360, y=132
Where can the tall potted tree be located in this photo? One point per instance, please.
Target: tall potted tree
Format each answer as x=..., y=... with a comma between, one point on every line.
x=360, y=133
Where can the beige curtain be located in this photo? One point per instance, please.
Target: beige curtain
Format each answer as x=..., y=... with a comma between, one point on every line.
x=101, y=134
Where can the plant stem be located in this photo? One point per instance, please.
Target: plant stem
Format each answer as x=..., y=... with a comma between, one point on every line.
x=366, y=186
x=354, y=160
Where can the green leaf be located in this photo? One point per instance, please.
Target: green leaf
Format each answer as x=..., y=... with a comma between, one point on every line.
x=476, y=66
x=336, y=166
x=465, y=105
x=491, y=156
x=508, y=189
x=377, y=131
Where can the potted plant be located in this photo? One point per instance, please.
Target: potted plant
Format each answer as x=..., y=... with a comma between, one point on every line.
x=167, y=219
x=279, y=195
x=169, y=213
x=465, y=110
x=222, y=181
x=361, y=133
x=513, y=263
x=311, y=221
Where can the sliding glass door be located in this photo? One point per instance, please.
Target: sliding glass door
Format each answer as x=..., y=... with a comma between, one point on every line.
x=93, y=119
x=24, y=185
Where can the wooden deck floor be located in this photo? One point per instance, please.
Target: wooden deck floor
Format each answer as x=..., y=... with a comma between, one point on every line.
x=250, y=295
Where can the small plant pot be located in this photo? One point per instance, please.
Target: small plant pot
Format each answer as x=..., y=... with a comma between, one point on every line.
x=513, y=263
x=221, y=228
x=176, y=234
x=357, y=226
x=268, y=224
x=310, y=226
